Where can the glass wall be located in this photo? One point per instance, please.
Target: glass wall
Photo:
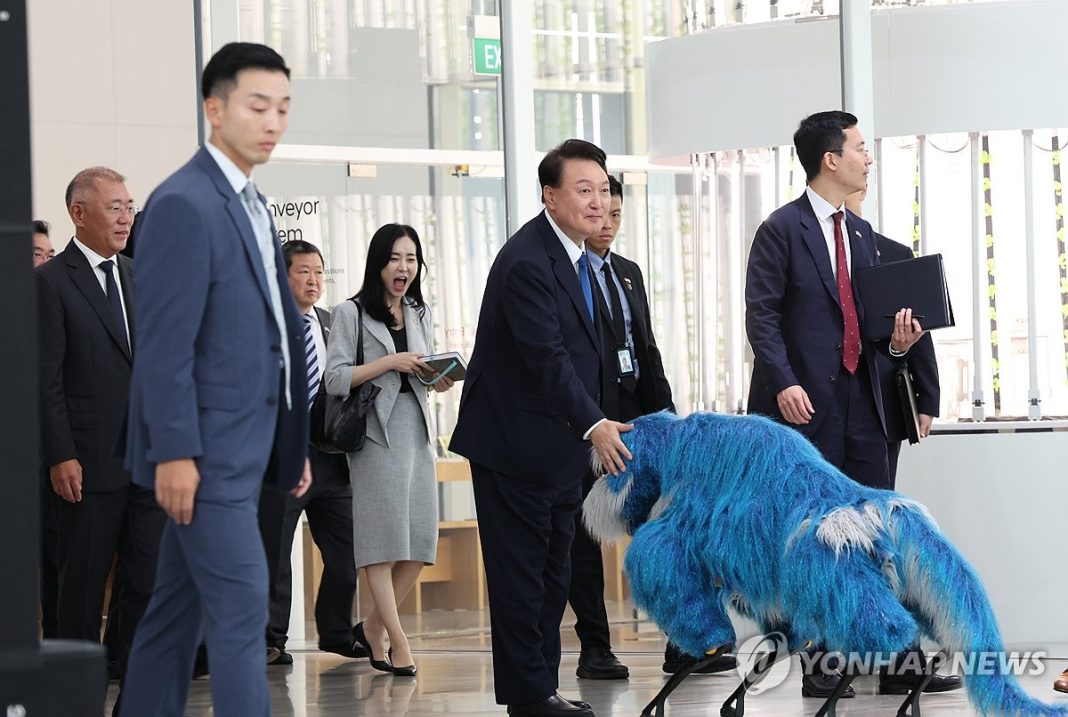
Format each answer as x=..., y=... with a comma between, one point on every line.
x=398, y=74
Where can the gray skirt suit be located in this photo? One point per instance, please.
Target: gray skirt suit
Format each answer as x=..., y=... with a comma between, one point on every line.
x=394, y=488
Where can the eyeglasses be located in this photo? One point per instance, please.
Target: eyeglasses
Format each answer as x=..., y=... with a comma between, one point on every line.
x=118, y=209
x=841, y=150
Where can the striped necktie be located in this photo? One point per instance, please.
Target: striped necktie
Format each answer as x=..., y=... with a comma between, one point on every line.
x=311, y=358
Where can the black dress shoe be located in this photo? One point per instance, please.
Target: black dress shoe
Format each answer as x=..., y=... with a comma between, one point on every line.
x=822, y=684
x=903, y=684
x=278, y=656
x=350, y=648
x=361, y=639
x=552, y=706
x=674, y=659
x=598, y=663
x=577, y=703
x=200, y=665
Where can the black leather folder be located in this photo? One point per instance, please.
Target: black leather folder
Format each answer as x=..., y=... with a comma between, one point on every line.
x=919, y=284
x=906, y=396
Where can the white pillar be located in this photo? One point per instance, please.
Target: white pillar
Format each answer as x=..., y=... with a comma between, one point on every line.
x=858, y=94
x=1034, y=399
x=517, y=113
x=697, y=369
x=978, y=294
x=296, y=605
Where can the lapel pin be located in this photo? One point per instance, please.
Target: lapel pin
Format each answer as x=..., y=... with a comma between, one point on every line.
x=857, y=232
x=626, y=281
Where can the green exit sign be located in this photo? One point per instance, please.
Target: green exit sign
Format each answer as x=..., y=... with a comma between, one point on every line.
x=487, y=55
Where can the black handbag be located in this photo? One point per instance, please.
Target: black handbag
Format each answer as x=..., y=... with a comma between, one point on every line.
x=339, y=425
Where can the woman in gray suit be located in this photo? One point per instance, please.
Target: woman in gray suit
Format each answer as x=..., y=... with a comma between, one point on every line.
x=394, y=490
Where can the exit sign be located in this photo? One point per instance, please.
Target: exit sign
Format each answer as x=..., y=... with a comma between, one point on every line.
x=486, y=52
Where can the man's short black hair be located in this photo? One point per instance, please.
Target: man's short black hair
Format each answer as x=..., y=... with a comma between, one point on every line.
x=552, y=165
x=819, y=134
x=299, y=246
x=40, y=226
x=220, y=74
x=615, y=188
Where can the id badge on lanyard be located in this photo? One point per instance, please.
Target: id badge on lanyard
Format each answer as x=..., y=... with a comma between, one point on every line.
x=625, y=361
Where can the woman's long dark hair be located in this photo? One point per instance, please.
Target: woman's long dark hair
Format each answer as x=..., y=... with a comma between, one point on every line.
x=372, y=294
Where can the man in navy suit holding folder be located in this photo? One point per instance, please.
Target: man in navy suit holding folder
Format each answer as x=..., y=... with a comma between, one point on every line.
x=811, y=368
x=530, y=410
x=218, y=396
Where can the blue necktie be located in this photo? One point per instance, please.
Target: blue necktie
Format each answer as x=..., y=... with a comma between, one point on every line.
x=584, y=281
x=311, y=358
x=111, y=288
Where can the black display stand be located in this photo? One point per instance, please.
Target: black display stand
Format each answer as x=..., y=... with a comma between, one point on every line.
x=57, y=677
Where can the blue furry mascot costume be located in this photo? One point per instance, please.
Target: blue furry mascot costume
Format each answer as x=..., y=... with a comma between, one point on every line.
x=740, y=511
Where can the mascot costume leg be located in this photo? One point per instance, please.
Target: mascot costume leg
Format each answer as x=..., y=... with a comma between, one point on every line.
x=743, y=512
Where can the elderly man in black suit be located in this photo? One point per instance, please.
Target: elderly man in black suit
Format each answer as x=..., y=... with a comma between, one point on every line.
x=530, y=410
x=86, y=322
x=328, y=503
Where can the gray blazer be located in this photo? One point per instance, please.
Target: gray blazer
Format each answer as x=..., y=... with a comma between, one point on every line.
x=341, y=357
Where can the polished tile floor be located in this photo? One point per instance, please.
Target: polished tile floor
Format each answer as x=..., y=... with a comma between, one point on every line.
x=456, y=678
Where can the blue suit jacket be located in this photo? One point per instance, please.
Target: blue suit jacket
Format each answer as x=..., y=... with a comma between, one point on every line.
x=533, y=382
x=792, y=313
x=206, y=379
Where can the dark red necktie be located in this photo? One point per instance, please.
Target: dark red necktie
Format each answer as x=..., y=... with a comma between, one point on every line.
x=851, y=325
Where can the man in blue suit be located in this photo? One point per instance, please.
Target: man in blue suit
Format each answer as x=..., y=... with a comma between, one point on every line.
x=811, y=368
x=528, y=414
x=218, y=396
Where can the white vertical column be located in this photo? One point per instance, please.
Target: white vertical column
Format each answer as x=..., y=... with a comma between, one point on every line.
x=1034, y=400
x=517, y=113
x=878, y=174
x=978, y=295
x=736, y=286
x=296, y=563
x=858, y=94
x=711, y=296
x=225, y=19
x=697, y=368
x=922, y=146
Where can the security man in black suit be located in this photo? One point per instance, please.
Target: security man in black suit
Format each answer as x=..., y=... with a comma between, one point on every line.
x=628, y=336
x=86, y=331
x=921, y=364
x=633, y=384
x=328, y=502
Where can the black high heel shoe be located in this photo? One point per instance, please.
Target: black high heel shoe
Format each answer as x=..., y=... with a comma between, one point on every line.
x=407, y=671
x=360, y=637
